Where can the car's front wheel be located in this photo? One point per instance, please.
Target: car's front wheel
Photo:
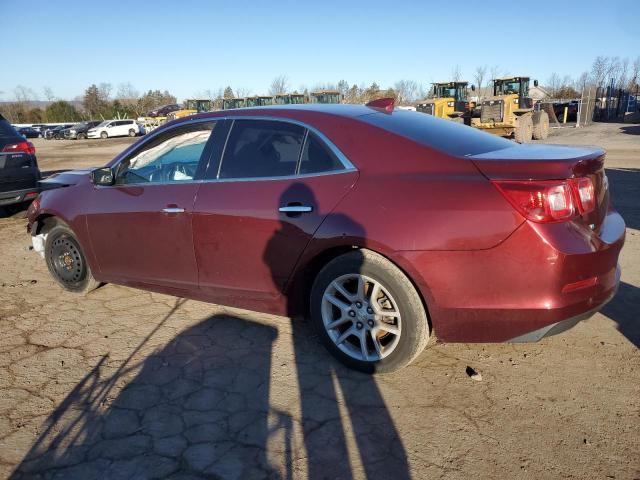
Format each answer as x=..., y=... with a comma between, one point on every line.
x=132, y=132
x=104, y=135
x=66, y=260
x=368, y=313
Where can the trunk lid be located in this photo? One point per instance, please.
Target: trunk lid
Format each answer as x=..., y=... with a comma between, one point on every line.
x=550, y=162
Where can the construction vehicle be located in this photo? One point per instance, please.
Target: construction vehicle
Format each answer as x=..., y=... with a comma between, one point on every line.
x=289, y=99
x=260, y=101
x=191, y=107
x=229, y=103
x=450, y=101
x=510, y=111
x=325, y=96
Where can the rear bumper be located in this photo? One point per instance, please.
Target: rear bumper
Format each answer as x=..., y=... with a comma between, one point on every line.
x=18, y=196
x=540, y=280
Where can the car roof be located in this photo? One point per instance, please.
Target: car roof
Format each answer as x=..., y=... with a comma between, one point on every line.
x=341, y=110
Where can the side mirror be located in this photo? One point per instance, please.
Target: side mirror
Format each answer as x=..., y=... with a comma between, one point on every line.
x=535, y=83
x=102, y=176
x=473, y=88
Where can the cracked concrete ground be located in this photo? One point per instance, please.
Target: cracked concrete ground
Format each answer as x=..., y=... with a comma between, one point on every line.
x=128, y=384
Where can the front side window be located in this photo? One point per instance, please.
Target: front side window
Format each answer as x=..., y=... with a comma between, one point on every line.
x=262, y=148
x=172, y=157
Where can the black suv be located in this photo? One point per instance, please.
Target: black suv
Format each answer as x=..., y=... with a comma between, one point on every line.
x=79, y=130
x=19, y=173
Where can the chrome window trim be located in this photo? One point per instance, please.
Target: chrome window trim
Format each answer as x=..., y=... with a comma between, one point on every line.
x=348, y=166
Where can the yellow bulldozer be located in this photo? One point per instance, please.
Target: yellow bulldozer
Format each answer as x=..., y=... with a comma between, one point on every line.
x=510, y=111
x=449, y=101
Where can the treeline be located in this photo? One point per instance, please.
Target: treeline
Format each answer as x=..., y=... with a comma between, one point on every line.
x=97, y=103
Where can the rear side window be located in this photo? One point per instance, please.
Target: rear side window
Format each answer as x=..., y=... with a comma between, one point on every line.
x=443, y=135
x=262, y=148
x=317, y=158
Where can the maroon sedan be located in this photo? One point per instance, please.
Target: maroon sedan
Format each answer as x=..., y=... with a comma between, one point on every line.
x=387, y=227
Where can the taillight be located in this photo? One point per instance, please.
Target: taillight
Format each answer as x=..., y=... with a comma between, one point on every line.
x=25, y=147
x=547, y=201
x=585, y=194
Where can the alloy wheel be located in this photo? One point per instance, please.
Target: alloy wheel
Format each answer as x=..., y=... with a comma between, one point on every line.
x=361, y=317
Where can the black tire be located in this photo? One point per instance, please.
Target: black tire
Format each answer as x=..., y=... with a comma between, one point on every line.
x=132, y=132
x=415, y=331
x=540, y=125
x=104, y=135
x=80, y=136
x=66, y=261
x=524, y=129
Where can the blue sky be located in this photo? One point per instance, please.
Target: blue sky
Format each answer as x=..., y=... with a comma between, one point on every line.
x=190, y=46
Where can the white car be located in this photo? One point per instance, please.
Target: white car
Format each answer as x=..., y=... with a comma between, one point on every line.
x=114, y=128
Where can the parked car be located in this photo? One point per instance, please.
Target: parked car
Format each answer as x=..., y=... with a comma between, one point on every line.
x=387, y=226
x=114, y=128
x=19, y=173
x=55, y=133
x=29, y=132
x=163, y=111
x=79, y=130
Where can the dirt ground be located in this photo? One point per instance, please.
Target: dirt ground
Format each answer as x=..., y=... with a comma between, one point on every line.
x=127, y=384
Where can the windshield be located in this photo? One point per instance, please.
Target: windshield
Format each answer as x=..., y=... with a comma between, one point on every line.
x=103, y=124
x=519, y=87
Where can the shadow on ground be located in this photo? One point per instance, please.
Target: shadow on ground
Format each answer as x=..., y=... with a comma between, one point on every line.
x=624, y=187
x=631, y=129
x=200, y=406
x=623, y=309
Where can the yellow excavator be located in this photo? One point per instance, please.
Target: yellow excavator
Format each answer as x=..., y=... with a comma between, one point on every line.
x=510, y=112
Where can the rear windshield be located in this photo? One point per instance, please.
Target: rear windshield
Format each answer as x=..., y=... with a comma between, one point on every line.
x=6, y=130
x=446, y=136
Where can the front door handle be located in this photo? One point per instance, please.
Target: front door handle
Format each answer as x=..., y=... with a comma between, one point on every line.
x=296, y=209
x=173, y=210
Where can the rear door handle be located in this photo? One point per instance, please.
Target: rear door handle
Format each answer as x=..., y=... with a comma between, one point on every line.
x=296, y=209
x=173, y=210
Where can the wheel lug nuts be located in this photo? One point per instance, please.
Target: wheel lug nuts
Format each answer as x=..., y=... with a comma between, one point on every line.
x=370, y=322
x=352, y=313
x=359, y=325
x=359, y=304
x=369, y=310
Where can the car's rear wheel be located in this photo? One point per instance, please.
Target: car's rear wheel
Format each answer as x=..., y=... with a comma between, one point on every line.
x=66, y=260
x=132, y=132
x=104, y=134
x=368, y=313
x=524, y=129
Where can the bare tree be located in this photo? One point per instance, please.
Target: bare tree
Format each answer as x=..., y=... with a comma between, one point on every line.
x=279, y=85
x=126, y=91
x=24, y=94
x=456, y=73
x=104, y=91
x=242, y=92
x=553, y=84
x=478, y=78
x=48, y=94
x=623, y=74
x=634, y=76
x=494, y=72
x=406, y=91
